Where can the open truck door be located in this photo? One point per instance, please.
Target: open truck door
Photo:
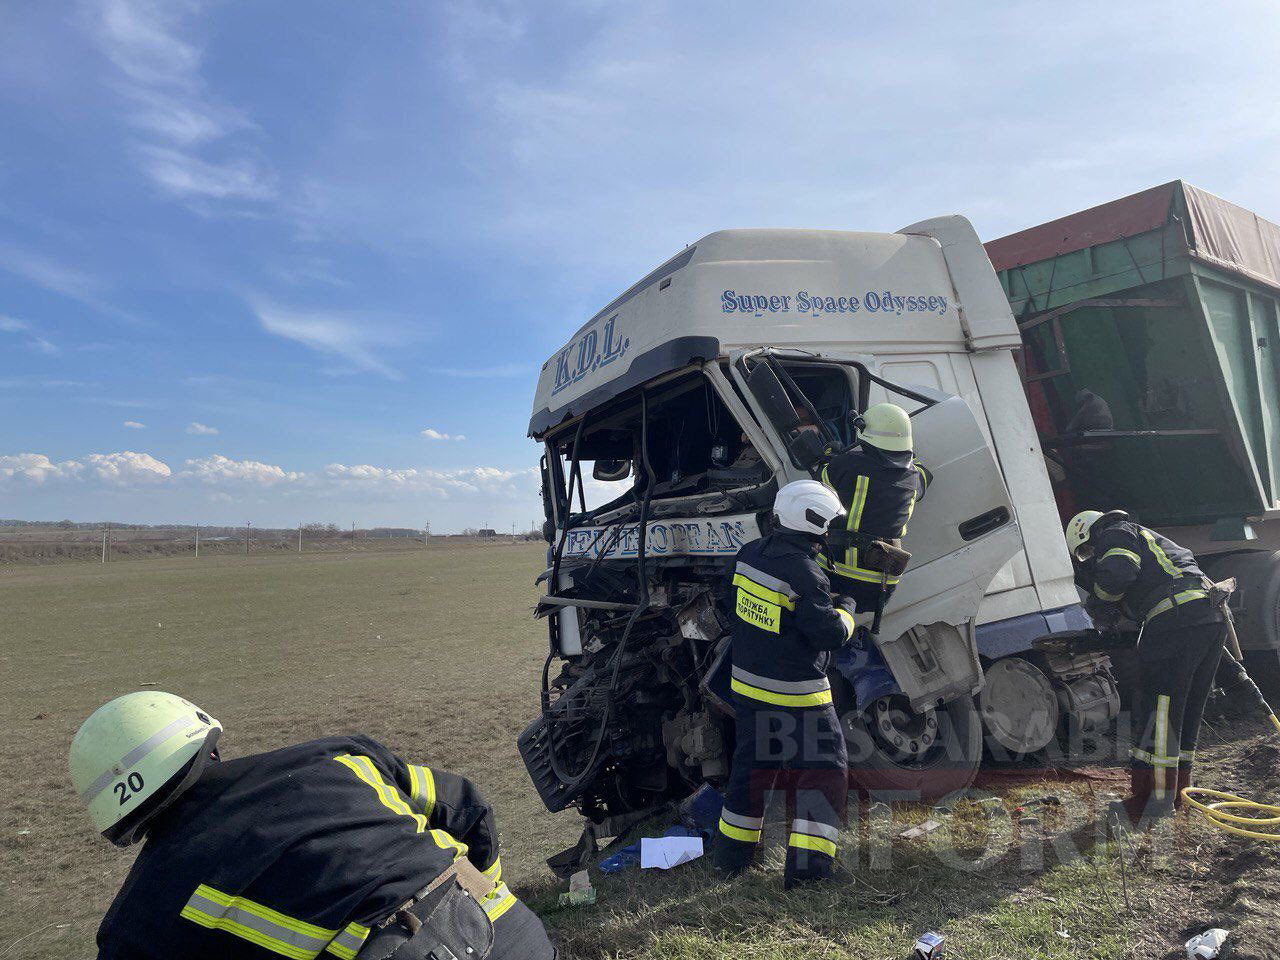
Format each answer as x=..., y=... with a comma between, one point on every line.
x=962, y=533
x=907, y=705
x=913, y=729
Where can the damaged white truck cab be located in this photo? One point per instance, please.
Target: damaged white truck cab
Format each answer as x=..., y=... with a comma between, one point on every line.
x=683, y=392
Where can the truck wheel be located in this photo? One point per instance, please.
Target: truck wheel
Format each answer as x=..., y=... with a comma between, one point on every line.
x=918, y=756
x=1257, y=609
x=1020, y=709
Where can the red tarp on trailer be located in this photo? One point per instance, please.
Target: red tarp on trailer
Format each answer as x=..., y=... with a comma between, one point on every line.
x=1126, y=217
x=1219, y=232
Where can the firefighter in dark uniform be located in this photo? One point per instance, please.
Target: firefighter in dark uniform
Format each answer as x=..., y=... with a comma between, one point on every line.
x=1130, y=570
x=330, y=848
x=879, y=483
x=787, y=733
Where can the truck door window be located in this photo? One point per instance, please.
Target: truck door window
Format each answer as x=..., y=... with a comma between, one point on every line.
x=829, y=391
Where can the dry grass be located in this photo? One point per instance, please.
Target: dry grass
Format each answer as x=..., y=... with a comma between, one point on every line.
x=435, y=653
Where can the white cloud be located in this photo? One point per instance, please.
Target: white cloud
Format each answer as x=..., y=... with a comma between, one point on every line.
x=353, y=339
x=36, y=468
x=220, y=469
x=34, y=340
x=134, y=425
x=64, y=281
x=467, y=482
x=159, y=74
x=431, y=434
x=125, y=468
x=186, y=177
x=200, y=430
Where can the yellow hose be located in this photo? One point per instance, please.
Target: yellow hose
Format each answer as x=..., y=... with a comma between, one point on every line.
x=1262, y=814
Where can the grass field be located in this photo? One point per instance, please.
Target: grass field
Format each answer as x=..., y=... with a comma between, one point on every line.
x=435, y=653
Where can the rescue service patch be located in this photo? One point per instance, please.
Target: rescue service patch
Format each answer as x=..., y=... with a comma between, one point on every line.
x=759, y=613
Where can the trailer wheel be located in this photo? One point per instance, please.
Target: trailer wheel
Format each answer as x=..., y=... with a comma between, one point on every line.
x=919, y=756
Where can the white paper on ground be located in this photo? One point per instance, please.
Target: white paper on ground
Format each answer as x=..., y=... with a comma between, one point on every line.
x=667, y=852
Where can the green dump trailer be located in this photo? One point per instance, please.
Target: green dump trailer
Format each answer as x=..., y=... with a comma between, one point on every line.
x=1151, y=361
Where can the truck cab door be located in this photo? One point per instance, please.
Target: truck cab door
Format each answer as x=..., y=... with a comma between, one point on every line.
x=962, y=532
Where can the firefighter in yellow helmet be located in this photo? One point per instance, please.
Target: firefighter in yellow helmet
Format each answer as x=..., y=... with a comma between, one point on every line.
x=330, y=848
x=879, y=482
x=1135, y=573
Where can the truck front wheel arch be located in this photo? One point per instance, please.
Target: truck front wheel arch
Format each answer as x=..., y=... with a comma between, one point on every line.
x=901, y=754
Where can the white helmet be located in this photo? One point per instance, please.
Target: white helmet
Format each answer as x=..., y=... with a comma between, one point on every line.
x=1078, y=529
x=807, y=506
x=887, y=426
x=129, y=750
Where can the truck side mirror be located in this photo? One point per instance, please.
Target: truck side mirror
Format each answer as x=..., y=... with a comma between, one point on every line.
x=611, y=469
x=772, y=397
x=805, y=446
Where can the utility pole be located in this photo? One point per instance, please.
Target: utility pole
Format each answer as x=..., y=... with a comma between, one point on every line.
x=247, y=525
x=104, y=544
x=197, y=541
x=299, y=538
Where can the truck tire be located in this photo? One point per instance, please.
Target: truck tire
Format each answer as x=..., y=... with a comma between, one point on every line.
x=915, y=770
x=1257, y=611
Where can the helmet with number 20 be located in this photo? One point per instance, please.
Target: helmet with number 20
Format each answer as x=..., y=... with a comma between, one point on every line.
x=127, y=758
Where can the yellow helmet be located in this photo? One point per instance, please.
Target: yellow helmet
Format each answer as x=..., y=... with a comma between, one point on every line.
x=1078, y=529
x=129, y=750
x=887, y=426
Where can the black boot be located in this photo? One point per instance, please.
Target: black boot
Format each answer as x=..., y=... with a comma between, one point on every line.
x=1142, y=808
x=1184, y=781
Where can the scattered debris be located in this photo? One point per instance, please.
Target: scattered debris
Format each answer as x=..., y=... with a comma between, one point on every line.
x=1207, y=945
x=628, y=856
x=581, y=893
x=24, y=833
x=928, y=947
x=702, y=809
x=911, y=833
x=663, y=853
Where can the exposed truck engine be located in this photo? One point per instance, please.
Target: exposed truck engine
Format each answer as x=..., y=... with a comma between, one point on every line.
x=667, y=430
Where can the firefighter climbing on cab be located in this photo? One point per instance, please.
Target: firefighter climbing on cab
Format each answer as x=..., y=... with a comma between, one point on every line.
x=1130, y=571
x=788, y=735
x=879, y=483
x=334, y=847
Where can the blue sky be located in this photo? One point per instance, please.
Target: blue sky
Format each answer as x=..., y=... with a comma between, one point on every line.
x=301, y=261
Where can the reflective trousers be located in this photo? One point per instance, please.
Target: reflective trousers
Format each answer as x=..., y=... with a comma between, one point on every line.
x=1177, y=666
x=800, y=752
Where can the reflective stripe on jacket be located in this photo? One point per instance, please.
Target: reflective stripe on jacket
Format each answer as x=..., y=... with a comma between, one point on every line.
x=297, y=853
x=1148, y=574
x=784, y=625
x=879, y=491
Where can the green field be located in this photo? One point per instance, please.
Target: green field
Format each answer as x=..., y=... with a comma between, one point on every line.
x=435, y=652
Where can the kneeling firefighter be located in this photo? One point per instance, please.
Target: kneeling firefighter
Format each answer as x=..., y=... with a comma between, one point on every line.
x=879, y=483
x=788, y=735
x=330, y=848
x=1130, y=570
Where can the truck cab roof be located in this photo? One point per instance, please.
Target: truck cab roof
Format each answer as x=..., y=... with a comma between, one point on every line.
x=821, y=290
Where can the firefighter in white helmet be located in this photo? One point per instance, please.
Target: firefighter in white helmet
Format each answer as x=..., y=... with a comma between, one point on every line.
x=333, y=847
x=787, y=733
